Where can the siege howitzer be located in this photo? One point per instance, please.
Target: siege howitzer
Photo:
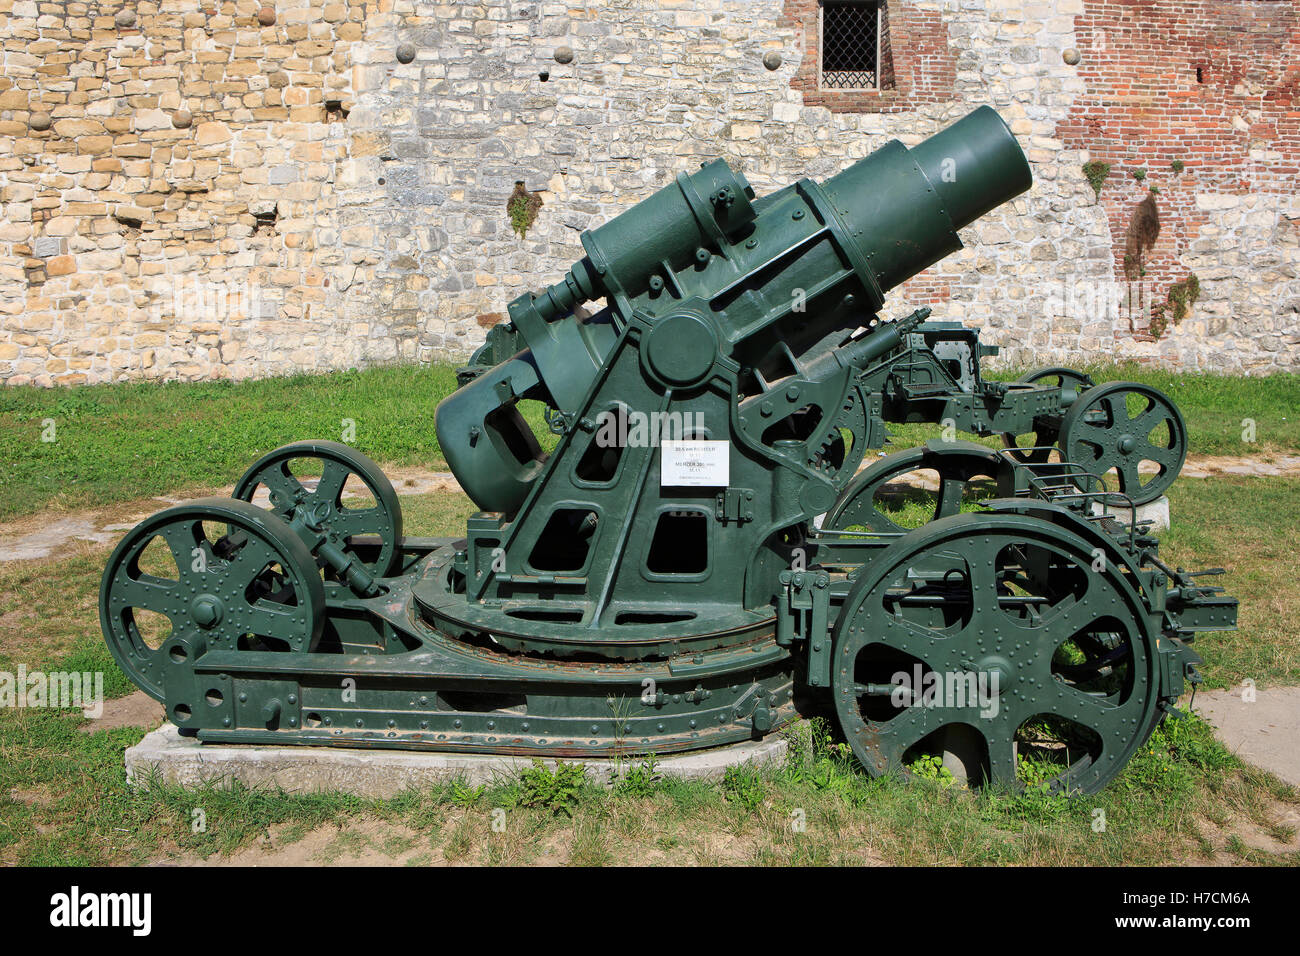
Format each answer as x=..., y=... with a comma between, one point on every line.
x=699, y=545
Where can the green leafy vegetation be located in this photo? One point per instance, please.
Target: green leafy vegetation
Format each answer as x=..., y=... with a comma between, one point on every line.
x=557, y=791
x=1096, y=173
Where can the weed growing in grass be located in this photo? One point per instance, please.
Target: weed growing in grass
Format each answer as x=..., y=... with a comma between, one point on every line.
x=815, y=757
x=559, y=790
x=743, y=786
x=463, y=795
x=641, y=780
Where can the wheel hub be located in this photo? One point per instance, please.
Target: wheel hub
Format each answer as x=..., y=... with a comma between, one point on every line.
x=207, y=610
x=995, y=666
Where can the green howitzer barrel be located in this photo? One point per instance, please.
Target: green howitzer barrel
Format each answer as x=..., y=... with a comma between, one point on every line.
x=709, y=274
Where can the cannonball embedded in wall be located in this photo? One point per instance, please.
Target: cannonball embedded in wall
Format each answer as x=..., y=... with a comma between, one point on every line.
x=266, y=16
x=406, y=53
x=182, y=119
x=563, y=54
x=39, y=121
x=1071, y=56
x=125, y=18
x=772, y=60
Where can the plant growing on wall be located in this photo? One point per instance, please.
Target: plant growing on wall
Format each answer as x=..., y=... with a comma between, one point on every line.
x=522, y=208
x=1179, y=300
x=1183, y=295
x=1096, y=172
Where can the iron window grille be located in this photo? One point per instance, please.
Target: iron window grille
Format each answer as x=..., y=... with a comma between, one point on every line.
x=850, y=44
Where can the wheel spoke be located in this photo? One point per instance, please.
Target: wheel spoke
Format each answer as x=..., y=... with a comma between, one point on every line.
x=937, y=649
x=251, y=559
x=1075, y=616
x=1086, y=452
x=1097, y=712
x=1002, y=758
x=333, y=477
x=281, y=484
x=1165, y=457
x=1143, y=423
x=981, y=576
x=1130, y=481
x=149, y=593
x=899, y=733
x=950, y=495
x=367, y=521
x=181, y=540
x=1114, y=415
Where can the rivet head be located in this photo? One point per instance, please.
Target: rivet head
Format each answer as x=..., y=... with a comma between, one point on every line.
x=772, y=60
x=563, y=54
x=405, y=53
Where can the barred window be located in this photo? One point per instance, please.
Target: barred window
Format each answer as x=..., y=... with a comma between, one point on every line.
x=850, y=44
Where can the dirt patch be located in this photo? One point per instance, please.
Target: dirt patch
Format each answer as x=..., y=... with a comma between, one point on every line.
x=133, y=710
x=31, y=798
x=356, y=843
x=1214, y=466
x=1279, y=832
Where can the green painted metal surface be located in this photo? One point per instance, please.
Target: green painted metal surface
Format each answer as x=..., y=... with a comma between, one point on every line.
x=701, y=547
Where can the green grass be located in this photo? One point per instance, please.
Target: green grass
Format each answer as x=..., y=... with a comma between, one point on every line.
x=118, y=442
x=1248, y=526
x=126, y=441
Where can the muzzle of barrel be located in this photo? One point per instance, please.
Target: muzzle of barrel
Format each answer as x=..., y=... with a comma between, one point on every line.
x=902, y=207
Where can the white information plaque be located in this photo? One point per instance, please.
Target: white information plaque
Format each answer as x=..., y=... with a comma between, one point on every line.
x=694, y=464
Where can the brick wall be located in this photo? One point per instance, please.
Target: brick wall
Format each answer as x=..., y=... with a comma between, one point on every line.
x=1200, y=99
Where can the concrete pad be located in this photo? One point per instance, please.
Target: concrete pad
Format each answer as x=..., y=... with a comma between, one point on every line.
x=1157, y=512
x=1262, y=731
x=385, y=773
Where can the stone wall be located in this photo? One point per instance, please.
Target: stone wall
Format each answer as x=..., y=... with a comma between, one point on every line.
x=233, y=189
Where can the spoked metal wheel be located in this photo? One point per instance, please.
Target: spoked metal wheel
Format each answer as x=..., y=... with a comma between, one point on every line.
x=1134, y=430
x=918, y=485
x=209, y=574
x=990, y=642
x=335, y=489
x=1035, y=448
